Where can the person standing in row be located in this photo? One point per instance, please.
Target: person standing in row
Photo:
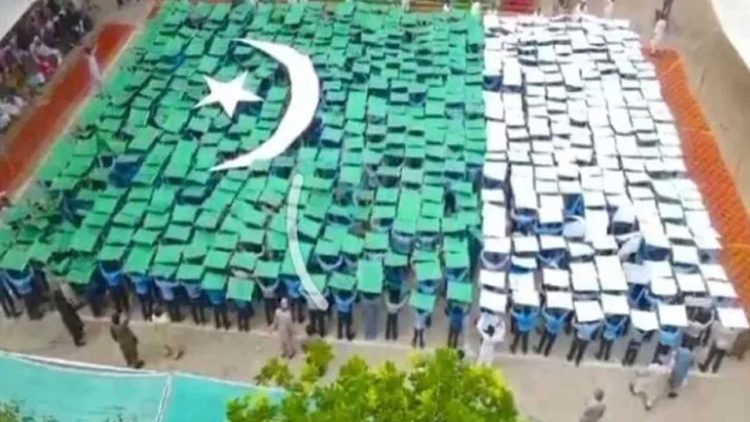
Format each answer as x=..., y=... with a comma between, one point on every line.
x=69, y=317
x=284, y=325
x=122, y=334
x=344, y=310
x=394, y=301
x=420, y=323
x=584, y=333
x=269, y=299
x=6, y=299
x=724, y=339
x=370, y=314
x=456, y=317
x=609, y=8
x=317, y=314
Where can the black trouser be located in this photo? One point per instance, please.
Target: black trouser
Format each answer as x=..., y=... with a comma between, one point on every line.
x=690, y=342
x=119, y=297
x=220, y=316
x=631, y=353
x=147, y=305
x=298, y=309
x=605, y=347
x=391, y=326
x=345, y=321
x=546, y=342
x=524, y=337
x=32, y=305
x=577, y=350
x=715, y=356
x=453, y=334
x=173, y=309
x=269, y=306
x=196, y=310
x=243, y=318
x=418, y=336
x=9, y=305
x=660, y=350
x=318, y=321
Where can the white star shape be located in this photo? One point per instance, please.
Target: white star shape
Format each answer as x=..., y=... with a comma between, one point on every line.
x=228, y=94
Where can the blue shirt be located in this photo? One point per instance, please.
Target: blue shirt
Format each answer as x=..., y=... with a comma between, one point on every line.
x=113, y=278
x=554, y=321
x=586, y=331
x=420, y=320
x=344, y=305
x=670, y=337
x=22, y=284
x=457, y=318
x=683, y=361
x=216, y=297
x=613, y=327
x=193, y=290
x=141, y=283
x=293, y=288
x=525, y=320
x=166, y=288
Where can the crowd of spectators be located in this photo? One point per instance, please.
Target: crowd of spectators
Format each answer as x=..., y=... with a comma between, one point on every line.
x=33, y=50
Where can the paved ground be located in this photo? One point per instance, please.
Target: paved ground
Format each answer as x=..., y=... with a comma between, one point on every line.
x=550, y=389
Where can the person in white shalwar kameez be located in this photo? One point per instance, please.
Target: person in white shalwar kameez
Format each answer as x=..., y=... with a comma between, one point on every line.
x=658, y=37
x=490, y=337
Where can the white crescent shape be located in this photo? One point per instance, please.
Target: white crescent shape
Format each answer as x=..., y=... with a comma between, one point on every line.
x=304, y=100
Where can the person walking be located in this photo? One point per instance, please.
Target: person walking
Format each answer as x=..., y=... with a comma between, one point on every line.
x=595, y=408
x=724, y=339
x=121, y=333
x=284, y=325
x=394, y=301
x=584, y=333
x=650, y=384
x=69, y=317
x=666, y=8
x=95, y=71
x=682, y=360
x=163, y=333
x=658, y=36
x=491, y=336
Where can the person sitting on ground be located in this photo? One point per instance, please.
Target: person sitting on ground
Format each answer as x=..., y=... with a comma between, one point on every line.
x=650, y=384
x=595, y=408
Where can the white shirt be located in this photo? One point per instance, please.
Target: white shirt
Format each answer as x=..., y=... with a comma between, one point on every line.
x=93, y=65
x=724, y=337
x=609, y=8
x=659, y=29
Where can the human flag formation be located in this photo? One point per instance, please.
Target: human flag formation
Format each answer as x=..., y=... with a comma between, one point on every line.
x=182, y=169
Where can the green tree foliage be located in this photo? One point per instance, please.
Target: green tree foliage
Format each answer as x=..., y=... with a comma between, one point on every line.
x=439, y=388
